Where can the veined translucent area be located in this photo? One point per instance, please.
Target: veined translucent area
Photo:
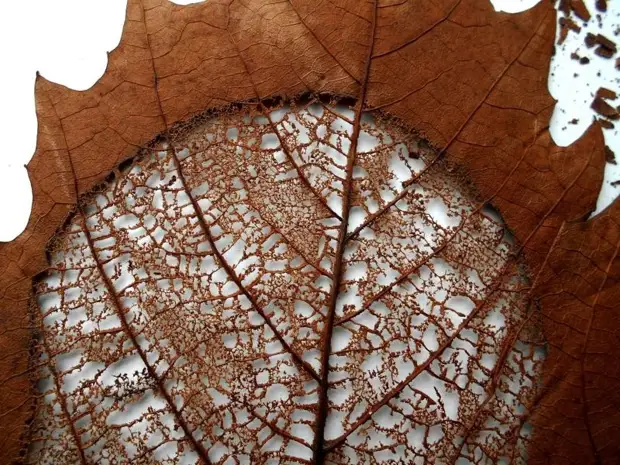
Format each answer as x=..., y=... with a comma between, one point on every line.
x=194, y=310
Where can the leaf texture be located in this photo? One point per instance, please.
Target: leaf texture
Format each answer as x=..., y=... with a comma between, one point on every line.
x=577, y=412
x=214, y=265
x=469, y=81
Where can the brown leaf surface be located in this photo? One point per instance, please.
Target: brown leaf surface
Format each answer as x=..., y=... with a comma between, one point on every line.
x=577, y=411
x=470, y=81
x=210, y=269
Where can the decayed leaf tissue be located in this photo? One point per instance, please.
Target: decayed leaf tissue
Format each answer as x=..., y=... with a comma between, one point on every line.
x=313, y=232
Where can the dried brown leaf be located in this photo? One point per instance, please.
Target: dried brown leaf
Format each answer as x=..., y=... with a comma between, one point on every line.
x=469, y=81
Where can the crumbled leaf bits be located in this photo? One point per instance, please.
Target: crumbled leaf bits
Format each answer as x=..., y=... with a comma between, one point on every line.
x=606, y=93
x=569, y=9
x=590, y=40
x=567, y=24
x=268, y=276
x=606, y=124
x=603, y=108
x=606, y=48
x=610, y=156
x=607, y=112
x=580, y=9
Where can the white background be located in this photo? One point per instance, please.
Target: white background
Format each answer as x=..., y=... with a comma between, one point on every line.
x=67, y=42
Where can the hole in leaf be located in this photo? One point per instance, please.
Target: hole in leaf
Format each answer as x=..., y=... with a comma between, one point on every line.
x=210, y=302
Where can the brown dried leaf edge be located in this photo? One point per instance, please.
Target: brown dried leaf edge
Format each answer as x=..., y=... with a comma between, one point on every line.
x=471, y=81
